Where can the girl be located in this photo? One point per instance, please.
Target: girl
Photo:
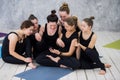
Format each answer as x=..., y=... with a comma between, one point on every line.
x=64, y=12
x=37, y=27
x=76, y=23
x=16, y=46
x=65, y=56
x=35, y=38
x=51, y=32
x=89, y=57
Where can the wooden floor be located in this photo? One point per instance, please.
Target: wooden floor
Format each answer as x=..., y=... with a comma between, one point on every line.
x=112, y=56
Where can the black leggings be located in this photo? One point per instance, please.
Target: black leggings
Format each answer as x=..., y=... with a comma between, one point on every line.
x=67, y=61
x=13, y=60
x=71, y=62
x=43, y=60
x=20, y=50
x=38, y=48
x=91, y=61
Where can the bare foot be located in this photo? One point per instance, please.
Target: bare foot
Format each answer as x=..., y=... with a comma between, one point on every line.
x=32, y=65
x=54, y=59
x=107, y=65
x=102, y=72
x=63, y=66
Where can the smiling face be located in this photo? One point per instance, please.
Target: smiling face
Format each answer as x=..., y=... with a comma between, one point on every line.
x=35, y=22
x=52, y=25
x=68, y=27
x=63, y=15
x=85, y=27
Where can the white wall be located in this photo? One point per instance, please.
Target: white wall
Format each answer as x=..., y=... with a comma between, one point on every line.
x=106, y=12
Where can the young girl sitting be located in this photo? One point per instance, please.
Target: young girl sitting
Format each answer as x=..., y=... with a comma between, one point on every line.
x=16, y=48
x=89, y=57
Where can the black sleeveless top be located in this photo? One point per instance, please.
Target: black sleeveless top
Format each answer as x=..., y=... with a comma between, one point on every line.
x=50, y=40
x=63, y=29
x=77, y=29
x=67, y=42
x=20, y=47
x=32, y=38
x=86, y=42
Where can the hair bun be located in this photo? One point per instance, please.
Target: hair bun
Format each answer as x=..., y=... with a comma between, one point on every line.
x=32, y=15
x=92, y=17
x=52, y=17
x=75, y=18
x=65, y=5
x=53, y=12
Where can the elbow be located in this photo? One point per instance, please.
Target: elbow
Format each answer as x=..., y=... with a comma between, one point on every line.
x=11, y=53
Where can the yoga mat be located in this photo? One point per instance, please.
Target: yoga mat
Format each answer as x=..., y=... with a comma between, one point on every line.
x=44, y=73
x=2, y=34
x=114, y=45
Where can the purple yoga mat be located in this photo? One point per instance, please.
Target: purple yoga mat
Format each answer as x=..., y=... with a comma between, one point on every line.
x=3, y=34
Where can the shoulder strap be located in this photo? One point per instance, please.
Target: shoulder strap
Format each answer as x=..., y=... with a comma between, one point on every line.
x=14, y=33
x=39, y=26
x=81, y=34
x=91, y=35
x=45, y=28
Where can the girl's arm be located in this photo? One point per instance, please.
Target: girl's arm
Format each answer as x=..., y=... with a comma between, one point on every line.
x=78, y=52
x=93, y=41
x=69, y=53
x=78, y=48
x=60, y=31
x=60, y=22
x=38, y=36
x=71, y=50
x=59, y=42
x=91, y=44
x=13, y=38
x=41, y=31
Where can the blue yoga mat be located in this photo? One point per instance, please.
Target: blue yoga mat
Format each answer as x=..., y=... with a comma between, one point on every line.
x=0, y=51
x=44, y=73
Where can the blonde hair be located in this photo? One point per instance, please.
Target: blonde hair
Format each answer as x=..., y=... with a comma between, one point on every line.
x=75, y=20
x=70, y=21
